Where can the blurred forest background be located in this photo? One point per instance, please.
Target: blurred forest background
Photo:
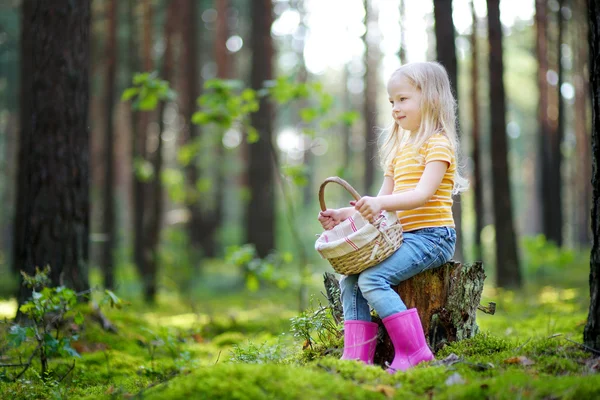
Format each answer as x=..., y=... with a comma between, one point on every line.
x=177, y=184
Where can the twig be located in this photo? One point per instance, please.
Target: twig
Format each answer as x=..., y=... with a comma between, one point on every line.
x=521, y=346
x=584, y=346
x=218, y=356
x=28, y=364
x=70, y=369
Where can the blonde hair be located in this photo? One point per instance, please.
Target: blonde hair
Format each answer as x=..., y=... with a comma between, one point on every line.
x=438, y=115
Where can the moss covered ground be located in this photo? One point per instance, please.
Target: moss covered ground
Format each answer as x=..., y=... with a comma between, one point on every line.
x=222, y=341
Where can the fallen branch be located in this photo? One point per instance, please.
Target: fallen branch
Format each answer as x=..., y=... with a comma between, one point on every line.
x=584, y=346
x=105, y=322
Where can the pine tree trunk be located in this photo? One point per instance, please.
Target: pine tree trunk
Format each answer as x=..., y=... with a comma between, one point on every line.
x=446, y=55
x=260, y=226
x=107, y=253
x=53, y=210
x=370, y=98
x=402, y=51
x=507, y=261
x=476, y=137
x=583, y=169
x=591, y=334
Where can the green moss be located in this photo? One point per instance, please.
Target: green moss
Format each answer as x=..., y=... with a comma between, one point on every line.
x=244, y=381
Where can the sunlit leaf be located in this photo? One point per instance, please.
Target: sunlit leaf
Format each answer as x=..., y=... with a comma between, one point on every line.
x=252, y=135
x=129, y=93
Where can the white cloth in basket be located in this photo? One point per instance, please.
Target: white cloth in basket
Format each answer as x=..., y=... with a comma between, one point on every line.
x=352, y=234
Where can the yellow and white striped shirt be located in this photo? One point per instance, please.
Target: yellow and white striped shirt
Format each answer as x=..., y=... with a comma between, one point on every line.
x=406, y=170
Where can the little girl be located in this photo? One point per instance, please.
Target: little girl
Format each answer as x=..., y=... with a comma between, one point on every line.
x=419, y=157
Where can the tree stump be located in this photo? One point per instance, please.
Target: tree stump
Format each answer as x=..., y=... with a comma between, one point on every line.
x=446, y=299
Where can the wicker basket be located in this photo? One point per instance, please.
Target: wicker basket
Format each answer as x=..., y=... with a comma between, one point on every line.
x=356, y=244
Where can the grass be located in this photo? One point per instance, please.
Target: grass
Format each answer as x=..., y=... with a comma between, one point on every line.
x=222, y=341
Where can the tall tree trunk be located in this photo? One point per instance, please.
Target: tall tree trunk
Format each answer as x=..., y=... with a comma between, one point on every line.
x=476, y=134
x=142, y=190
x=107, y=254
x=538, y=209
x=591, y=333
x=53, y=210
x=550, y=135
x=584, y=159
x=369, y=104
x=508, y=272
x=137, y=185
x=260, y=227
x=370, y=98
x=556, y=233
x=155, y=198
x=347, y=129
x=402, y=52
x=446, y=55
x=191, y=90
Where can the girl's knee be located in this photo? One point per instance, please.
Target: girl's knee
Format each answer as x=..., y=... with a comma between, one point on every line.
x=368, y=281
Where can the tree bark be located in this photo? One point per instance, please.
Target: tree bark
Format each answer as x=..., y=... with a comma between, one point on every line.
x=540, y=208
x=402, y=51
x=508, y=271
x=260, y=226
x=476, y=137
x=583, y=169
x=591, y=333
x=155, y=198
x=107, y=253
x=52, y=203
x=446, y=55
x=370, y=99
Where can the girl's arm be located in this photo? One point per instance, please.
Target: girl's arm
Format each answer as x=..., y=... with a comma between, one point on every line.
x=330, y=218
x=429, y=183
x=387, y=187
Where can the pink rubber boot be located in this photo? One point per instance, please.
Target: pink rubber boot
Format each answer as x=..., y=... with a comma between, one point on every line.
x=410, y=346
x=360, y=340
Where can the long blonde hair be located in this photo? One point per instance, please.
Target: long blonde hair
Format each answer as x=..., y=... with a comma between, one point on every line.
x=438, y=115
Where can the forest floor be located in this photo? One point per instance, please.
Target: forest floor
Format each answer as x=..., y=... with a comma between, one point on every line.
x=223, y=341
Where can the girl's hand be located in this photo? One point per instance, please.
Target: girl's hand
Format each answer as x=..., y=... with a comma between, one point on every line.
x=329, y=218
x=368, y=207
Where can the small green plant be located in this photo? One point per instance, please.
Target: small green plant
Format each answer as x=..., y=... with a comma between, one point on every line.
x=47, y=312
x=318, y=330
x=253, y=354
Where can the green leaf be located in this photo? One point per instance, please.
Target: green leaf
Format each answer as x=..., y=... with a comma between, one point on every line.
x=140, y=78
x=203, y=185
x=308, y=114
x=65, y=348
x=16, y=335
x=144, y=170
x=78, y=319
x=252, y=283
x=200, y=118
x=115, y=301
x=148, y=103
x=129, y=93
x=253, y=135
x=350, y=117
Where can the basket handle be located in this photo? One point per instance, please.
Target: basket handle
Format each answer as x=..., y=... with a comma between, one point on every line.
x=339, y=181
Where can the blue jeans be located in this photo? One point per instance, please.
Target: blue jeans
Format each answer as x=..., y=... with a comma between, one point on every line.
x=421, y=250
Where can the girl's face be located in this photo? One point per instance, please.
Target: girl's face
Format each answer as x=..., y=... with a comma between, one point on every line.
x=406, y=103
